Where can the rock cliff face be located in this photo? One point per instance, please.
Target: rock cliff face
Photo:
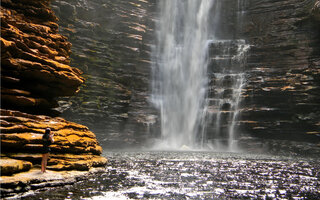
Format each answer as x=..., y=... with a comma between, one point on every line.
x=34, y=57
x=281, y=98
x=34, y=71
x=111, y=42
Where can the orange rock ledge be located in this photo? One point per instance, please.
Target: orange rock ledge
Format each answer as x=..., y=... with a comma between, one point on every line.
x=34, y=57
x=75, y=147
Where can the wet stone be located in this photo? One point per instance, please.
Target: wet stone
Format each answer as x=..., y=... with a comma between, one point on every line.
x=226, y=106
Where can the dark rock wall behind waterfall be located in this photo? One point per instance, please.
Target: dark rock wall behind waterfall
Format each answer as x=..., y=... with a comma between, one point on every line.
x=111, y=45
x=282, y=96
x=112, y=41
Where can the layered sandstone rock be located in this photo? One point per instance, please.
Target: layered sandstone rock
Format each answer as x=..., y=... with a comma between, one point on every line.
x=34, y=57
x=23, y=133
x=13, y=186
x=281, y=97
x=34, y=71
x=74, y=148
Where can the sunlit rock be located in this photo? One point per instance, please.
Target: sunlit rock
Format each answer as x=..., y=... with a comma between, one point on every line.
x=35, y=55
x=74, y=147
x=23, y=132
x=34, y=71
x=10, y=166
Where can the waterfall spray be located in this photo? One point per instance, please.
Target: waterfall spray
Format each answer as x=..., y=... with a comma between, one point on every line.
x=180, y=69
x=186, y=45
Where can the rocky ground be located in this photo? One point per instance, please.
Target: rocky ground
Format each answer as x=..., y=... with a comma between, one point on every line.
x=34, y=180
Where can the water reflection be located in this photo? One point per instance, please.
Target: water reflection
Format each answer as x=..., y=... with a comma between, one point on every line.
x=196, y=175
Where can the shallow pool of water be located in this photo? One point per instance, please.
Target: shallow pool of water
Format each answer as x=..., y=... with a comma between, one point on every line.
x=195, y=175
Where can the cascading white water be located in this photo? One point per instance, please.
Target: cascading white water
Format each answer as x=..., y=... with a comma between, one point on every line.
x=228, y=58
x=180, y=70
x=186, y=46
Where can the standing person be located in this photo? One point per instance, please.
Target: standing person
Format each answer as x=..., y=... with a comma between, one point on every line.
x=47, y=140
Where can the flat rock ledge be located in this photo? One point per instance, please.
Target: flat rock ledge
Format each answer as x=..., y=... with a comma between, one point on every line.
x=10, y=166
x=17, y=186
x=75, y=151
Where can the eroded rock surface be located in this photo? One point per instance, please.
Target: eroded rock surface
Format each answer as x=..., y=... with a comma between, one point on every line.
x=15, y=185
x=34, y=57
x=74, y=147
x=111, y=44
x=23, y=132
x=281, y=96
x=34, y=71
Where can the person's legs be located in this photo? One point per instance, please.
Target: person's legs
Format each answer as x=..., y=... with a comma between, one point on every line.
x=44, y=162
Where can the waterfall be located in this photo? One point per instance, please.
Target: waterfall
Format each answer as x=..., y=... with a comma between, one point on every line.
x=228, y=58
x=185, y=48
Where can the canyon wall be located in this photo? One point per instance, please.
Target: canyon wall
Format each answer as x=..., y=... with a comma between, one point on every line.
x=35, y=71
x=112, y=41
x=282, y=94
x=34, y=57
